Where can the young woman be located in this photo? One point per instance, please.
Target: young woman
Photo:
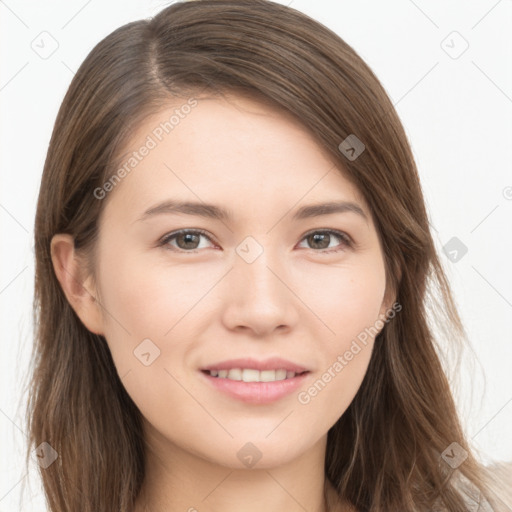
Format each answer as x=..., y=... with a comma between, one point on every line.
x=234, y=274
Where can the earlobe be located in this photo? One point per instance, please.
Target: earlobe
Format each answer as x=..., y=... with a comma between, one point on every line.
x=390, y=294
x=387, y=303
x=69, y=270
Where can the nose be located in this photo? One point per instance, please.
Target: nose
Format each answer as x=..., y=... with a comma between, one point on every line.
x=259, y=298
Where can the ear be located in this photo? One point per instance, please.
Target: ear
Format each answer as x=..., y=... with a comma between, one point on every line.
x=79, y=292
x=387, y=303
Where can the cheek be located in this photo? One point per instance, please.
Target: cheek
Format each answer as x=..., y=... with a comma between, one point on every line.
x=356, y=308
x=156, y=303
x=140, y=306
x=346, y=299
x=348, y=302
x=148, y=300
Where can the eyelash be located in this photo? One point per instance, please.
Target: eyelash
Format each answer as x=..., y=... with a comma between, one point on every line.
x=347, y=242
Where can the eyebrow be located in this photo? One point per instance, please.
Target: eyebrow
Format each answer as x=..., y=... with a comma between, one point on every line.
x=217, y=212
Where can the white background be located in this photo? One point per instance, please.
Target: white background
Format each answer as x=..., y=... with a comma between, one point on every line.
x=457, y=113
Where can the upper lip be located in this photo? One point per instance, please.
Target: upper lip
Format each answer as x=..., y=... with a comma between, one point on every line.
x=274, y=363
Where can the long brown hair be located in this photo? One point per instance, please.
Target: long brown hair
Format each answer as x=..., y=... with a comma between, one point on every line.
x=386, y=452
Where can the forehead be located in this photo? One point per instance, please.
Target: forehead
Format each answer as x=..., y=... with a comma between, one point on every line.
x=236, y=151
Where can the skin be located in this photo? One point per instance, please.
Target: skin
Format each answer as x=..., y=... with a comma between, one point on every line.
x=206, y=305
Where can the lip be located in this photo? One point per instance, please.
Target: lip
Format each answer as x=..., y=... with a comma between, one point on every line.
x=255, y=392
x=273, y=363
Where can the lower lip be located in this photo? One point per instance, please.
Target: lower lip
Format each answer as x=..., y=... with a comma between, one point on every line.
x=256, y=392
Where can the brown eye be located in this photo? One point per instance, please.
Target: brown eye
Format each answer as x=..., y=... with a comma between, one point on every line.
x=321, y=240
x=185, y=240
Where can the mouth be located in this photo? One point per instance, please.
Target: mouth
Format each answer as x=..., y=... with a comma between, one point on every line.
x=254, y=375
x=255, y=385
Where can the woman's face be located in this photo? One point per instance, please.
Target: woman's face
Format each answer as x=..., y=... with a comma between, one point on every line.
x=263, y=280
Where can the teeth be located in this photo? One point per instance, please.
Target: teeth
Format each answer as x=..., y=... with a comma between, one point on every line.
x=267, y=375
x=250, y=375
x=280, y=374
x=234, y=374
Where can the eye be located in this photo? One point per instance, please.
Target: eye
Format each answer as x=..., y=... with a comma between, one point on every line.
x=187, y=240
x=320, y=239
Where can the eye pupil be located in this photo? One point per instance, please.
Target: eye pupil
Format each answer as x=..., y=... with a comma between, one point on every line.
x=188, y=239
x=322, y=237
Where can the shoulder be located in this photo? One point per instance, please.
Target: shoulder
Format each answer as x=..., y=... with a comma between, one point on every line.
x=499, y=479
x=500, y=476
x=335, y=503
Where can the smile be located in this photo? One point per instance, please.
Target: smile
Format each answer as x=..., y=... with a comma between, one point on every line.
x=252, y=375
x=254, y=386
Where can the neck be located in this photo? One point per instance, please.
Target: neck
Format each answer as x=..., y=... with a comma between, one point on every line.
x=175, y=479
